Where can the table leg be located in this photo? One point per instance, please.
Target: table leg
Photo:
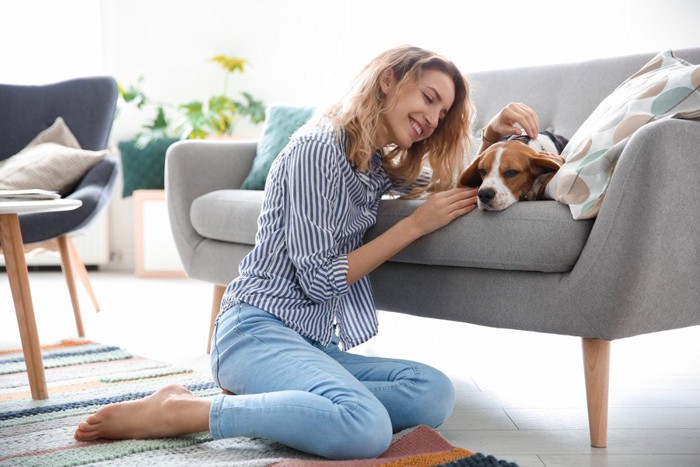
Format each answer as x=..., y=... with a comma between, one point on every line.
x=16, y=266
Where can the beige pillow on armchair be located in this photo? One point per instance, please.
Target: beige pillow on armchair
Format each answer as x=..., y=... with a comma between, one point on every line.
x=52, y=161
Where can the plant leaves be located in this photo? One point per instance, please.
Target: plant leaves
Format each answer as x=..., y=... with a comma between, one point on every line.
x=195, y=120
x=221, y=114
x=133, y=93
x=253, y=109
x=160, y=122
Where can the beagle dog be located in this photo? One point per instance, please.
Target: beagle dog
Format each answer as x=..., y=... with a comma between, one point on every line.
x=510, y=171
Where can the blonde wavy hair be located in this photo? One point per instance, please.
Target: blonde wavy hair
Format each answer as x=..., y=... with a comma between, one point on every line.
x=359, y=114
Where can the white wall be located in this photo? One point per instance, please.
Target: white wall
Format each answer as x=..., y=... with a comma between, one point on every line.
x=45, y=41
x=307, y=51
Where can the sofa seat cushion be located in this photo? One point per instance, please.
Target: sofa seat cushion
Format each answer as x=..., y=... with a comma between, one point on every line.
x=528, y=236
x=227, y=215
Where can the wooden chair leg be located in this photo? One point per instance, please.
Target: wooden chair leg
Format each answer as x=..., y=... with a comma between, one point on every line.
x=81, y=272
x=596, y=367
x=68, y=272
x=215, y=305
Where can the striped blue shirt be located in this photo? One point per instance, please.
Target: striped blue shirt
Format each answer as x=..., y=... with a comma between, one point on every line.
x=316, y=210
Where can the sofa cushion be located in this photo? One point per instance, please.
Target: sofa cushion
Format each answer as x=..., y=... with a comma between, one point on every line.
x=529, y=236
x=143, y=168
x=280, y=124
x=663, y=88
x=227, y=215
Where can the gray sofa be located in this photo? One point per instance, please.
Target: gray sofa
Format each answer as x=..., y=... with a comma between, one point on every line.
x=635, y=269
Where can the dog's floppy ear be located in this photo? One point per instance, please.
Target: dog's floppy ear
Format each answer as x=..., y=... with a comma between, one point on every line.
x=543, y=162
x=470, y=176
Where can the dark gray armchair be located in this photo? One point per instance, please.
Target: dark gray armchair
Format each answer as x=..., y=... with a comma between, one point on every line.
x=87, y=105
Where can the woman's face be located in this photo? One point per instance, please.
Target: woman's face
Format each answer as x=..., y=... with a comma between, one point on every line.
x=415, y=110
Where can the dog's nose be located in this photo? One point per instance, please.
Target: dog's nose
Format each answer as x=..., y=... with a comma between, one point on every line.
x=486, y=195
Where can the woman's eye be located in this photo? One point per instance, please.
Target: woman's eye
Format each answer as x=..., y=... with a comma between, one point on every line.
x=428, y=98
x=510, y=173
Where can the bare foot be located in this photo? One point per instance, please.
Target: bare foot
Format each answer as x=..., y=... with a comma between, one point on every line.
x=170, y=411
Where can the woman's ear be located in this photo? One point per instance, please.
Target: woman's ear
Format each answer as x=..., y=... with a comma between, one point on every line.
x=386, y=80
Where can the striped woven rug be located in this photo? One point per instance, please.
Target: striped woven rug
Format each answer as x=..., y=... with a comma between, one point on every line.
x=82, y=376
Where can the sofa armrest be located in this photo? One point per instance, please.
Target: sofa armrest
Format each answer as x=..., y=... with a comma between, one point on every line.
x=194, y=168
x=640, y=269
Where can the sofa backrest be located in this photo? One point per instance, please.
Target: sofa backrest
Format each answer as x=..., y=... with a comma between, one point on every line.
x=563, y=95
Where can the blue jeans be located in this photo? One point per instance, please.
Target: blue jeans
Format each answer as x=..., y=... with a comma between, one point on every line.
x=316, y=399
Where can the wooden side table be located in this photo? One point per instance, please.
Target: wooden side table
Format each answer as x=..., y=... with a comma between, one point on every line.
x=16, y=266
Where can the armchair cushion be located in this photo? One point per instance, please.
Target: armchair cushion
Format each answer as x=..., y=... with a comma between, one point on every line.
x=228, y=215
x=663, y=88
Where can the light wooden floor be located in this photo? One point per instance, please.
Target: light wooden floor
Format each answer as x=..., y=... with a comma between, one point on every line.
x=520, y=395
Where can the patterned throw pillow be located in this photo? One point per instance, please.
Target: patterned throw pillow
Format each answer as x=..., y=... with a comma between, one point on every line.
x=665, y=87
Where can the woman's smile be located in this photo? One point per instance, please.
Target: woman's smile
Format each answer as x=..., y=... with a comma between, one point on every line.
x=417, y=128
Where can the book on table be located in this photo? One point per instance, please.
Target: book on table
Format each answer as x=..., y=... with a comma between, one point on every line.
x=28, y=194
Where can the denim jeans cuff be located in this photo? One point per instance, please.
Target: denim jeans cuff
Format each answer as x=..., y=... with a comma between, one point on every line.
x=214, y=414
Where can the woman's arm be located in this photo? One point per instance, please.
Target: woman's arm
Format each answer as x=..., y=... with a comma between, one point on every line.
x=439, y=210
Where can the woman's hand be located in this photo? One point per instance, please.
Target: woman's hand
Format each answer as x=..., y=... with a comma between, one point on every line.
x=514, y=118
x=437, y=211
x=442, y=208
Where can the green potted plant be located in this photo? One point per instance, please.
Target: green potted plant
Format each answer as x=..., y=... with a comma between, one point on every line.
x=218, y=115
x=143, y=158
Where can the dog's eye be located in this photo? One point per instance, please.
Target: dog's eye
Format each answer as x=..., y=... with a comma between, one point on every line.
x=482, y=172
x=511, y=173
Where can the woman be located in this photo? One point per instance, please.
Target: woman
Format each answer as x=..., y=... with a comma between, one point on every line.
x=303, y=291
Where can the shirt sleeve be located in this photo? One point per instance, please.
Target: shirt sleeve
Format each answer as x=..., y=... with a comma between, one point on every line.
x=316, y=196
x=423, y=180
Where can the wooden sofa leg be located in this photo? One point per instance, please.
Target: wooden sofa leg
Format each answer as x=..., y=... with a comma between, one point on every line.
x=596, y=367
x=215, y=304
